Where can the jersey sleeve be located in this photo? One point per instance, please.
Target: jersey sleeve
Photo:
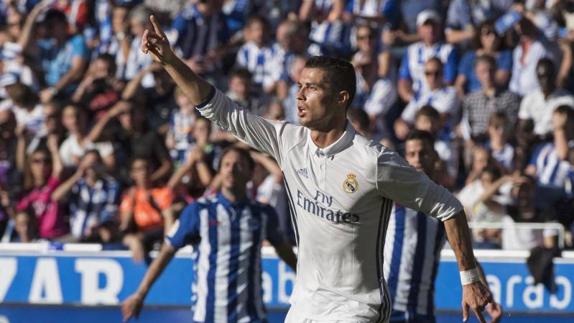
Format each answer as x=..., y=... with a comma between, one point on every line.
x=186, y=229
x=256, y=131
x=405, y=185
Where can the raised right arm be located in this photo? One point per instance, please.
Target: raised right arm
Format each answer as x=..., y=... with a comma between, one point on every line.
x=212, y=104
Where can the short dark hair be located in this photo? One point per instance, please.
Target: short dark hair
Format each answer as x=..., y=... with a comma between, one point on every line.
x=340, y=73
x=55, y=15
x=436, y=60
x=241, y=73
x=258, y=19
x=548, y=63
x=487, y=59
x=565, y=110
x=244, y=153
x=428, y=111
x=421, y=135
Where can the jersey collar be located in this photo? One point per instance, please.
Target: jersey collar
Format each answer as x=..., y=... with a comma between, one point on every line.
x=341, y=144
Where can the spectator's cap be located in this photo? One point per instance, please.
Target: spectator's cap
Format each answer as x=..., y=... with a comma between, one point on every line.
x=8, y=79
x=428, y=15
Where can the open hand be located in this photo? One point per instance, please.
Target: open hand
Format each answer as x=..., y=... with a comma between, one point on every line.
x=132, y=307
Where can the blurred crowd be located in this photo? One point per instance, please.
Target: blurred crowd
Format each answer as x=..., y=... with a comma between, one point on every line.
x=98, y=145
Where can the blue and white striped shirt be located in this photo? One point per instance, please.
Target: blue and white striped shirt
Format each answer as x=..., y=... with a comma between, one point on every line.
x=415, y=58
x=227, y=241
x=197, y=34
x=92, y=206
x=550, y=169
x=412, y=253
x=261, y=62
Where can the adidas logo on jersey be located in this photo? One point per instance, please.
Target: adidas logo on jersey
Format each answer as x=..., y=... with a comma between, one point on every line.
x=303, y=172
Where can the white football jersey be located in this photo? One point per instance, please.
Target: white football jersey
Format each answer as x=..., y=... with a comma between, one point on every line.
x=341, y=199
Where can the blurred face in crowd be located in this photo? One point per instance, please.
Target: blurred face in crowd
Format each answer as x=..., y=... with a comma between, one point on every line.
x=426, y=123
x=316, y=101
x=119, y=18
x=256, y=33
x=93, y=164
x=140, y=172
x=428, y=32
x=485, y=73
x=433, y=74
x=14, y=22
x=25, y=226
x=125, y=118
x=545, y=75
x=72, y=119
x=51, y=119
x=235, y=171
x=420, y=155
x=480, y=158
x=201, y=130
x=488, y=38
x=284, y=35
x=57, y=28
x=137, y=27
x=240, y=86
x=101, y=68
x=486, y=178
x=185, y=106
x=365, y=39
x=497, y=130
x=40, y=165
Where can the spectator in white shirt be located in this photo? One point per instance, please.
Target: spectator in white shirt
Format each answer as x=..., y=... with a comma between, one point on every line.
x=539, y=104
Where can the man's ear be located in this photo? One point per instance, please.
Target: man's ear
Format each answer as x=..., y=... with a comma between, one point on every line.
x=343, y=98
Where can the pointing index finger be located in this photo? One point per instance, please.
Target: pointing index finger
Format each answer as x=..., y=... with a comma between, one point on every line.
x=156, y=26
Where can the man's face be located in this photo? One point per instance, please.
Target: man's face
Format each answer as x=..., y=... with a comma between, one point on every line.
x=428, y=32
x=485, y=74
x=419, y=155
x=433, y=75
x=316, y=102
x=545, y=76
x=234, y=170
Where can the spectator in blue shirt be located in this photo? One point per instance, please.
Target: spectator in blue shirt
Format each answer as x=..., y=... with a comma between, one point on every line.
x=486, y=42
x=227, y=232
x=63, y=56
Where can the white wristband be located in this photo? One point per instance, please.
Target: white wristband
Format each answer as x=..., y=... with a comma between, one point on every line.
x=469, y=276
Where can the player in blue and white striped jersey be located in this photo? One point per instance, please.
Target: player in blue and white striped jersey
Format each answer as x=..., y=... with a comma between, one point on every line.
x=226, y=231
x=413, y=245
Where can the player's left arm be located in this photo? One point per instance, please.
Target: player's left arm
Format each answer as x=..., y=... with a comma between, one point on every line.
x=277, y=238
x=475, y=293
x=405, y=185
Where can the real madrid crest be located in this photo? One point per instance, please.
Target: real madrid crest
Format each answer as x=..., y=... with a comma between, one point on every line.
x=350, y=185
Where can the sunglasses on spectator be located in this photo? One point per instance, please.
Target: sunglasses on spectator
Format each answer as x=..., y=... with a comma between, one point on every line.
x=432, y=73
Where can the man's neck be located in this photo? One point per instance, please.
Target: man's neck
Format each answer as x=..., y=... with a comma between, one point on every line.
x=326, y=138
x=490, y=91
x=234, y=194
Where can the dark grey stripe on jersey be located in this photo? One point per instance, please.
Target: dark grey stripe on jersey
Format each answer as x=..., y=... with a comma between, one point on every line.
x=292, y=213
x=385, y=308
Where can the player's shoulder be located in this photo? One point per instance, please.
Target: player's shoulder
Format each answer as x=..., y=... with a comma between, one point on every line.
x=291, y=134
